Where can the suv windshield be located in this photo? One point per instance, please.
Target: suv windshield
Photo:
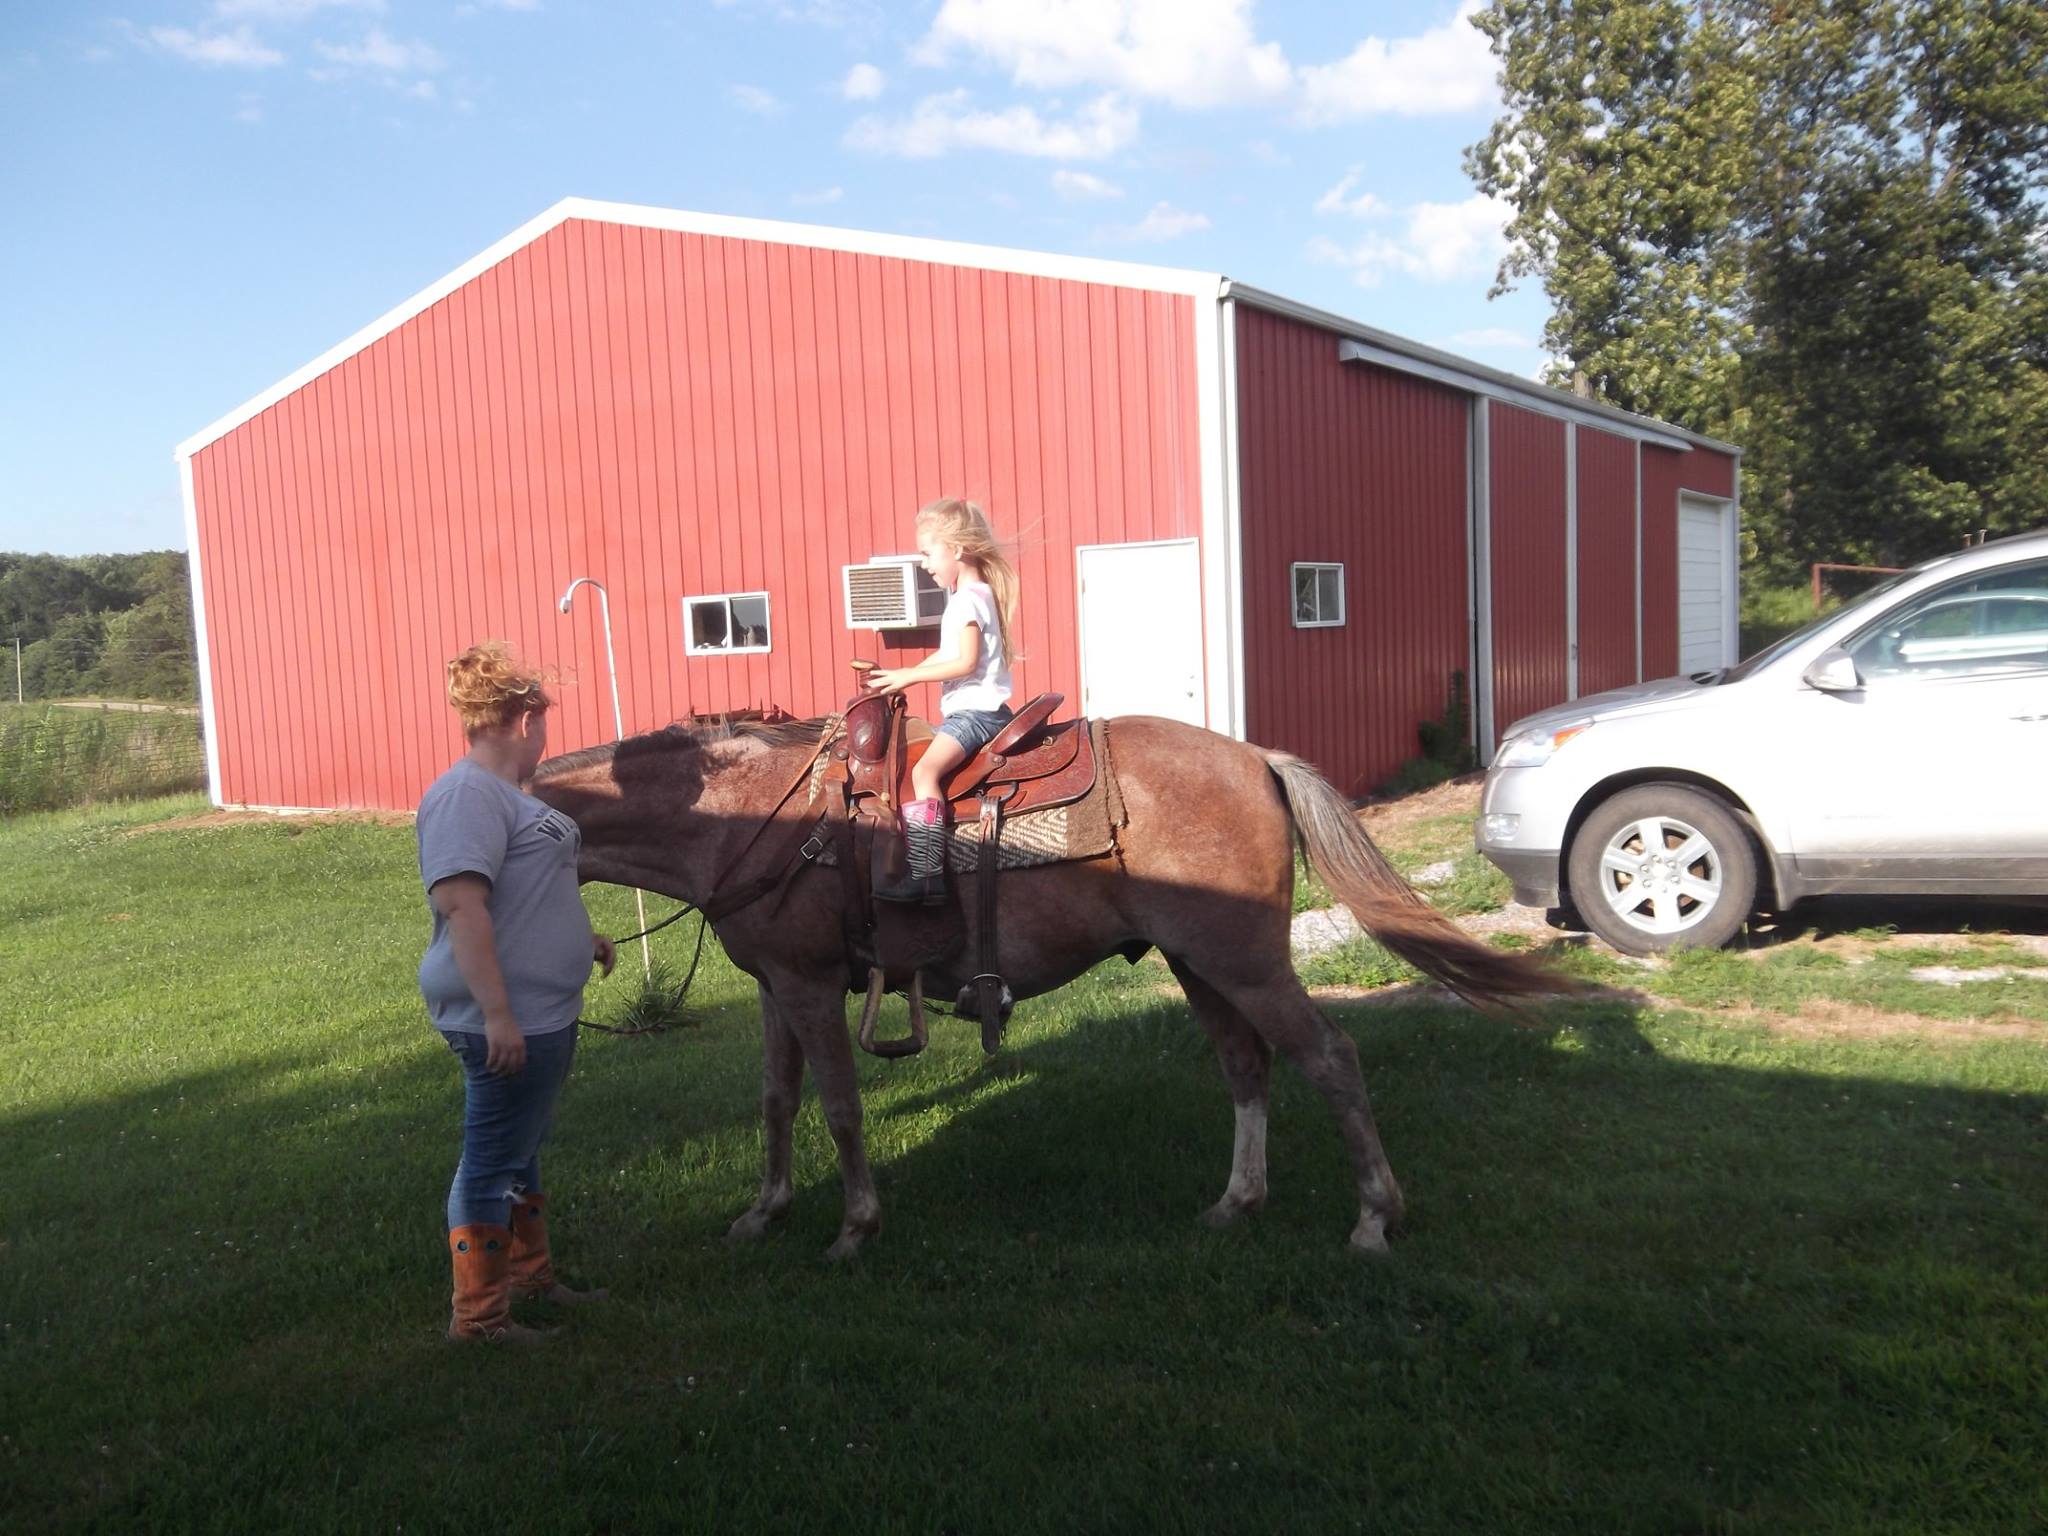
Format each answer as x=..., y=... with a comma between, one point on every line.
x=1780, y=646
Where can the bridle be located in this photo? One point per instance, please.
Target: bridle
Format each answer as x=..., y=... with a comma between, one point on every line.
x=720, y=903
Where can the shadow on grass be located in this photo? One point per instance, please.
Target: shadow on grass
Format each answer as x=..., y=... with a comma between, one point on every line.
x=1648, y=1283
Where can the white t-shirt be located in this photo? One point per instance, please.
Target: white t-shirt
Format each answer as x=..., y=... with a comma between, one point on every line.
x=988, y=685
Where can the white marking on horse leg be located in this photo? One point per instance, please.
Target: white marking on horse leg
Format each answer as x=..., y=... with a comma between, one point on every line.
x=1247, y=1188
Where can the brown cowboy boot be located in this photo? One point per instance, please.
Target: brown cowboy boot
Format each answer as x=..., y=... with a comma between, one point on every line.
x=532, y=1268
x=481, y=1257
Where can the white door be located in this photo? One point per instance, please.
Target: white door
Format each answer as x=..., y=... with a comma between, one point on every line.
x=1702, y=586
x=1141, y=630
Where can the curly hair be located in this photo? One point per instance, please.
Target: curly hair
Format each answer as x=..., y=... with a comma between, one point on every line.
x=490, y=687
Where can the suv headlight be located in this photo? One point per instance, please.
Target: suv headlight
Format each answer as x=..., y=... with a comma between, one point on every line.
x=1532, y=749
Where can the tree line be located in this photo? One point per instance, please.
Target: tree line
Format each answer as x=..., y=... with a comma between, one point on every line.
x=108, y=626
x=1818, y=230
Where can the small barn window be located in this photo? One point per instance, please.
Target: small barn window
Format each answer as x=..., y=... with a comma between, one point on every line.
x=727, y=624
x=1318, y=595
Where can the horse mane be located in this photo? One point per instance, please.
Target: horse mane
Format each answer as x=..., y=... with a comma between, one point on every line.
x=688, y=734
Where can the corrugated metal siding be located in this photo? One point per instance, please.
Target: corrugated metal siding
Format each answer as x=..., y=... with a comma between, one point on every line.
x=674, y=415
x=1607, y=560
x=1352, y=463
x=1528, y=543
x=1666, y=472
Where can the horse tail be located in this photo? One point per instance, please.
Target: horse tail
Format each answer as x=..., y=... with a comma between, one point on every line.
x=1389, y=908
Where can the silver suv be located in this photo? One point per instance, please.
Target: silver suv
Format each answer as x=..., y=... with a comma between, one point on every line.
x=1899, y=745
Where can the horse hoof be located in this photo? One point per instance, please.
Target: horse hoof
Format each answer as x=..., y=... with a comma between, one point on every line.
x=749, y=1227
x=847, y=1247
x=1370, y=1235
x=1227, y=1213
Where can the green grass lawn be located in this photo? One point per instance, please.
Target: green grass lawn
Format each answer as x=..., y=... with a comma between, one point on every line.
x=1667, y=1269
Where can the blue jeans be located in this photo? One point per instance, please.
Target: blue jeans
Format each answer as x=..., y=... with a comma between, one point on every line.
x=975, y=728
x=504, y=1121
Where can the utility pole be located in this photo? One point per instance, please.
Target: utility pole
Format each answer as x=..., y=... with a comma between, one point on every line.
x=17, y=669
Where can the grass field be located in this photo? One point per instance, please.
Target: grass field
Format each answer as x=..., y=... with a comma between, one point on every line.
x=1693, y=1261
x=55, y=755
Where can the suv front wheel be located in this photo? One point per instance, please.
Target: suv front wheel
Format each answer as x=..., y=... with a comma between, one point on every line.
x=1662, y=865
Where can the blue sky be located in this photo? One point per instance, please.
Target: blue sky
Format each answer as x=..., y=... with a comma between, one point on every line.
x=206, y=194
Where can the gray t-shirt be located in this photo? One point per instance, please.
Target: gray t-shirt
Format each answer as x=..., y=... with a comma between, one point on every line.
x=473, y=822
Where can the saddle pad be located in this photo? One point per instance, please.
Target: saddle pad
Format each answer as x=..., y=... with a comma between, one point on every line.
x=1084, y=829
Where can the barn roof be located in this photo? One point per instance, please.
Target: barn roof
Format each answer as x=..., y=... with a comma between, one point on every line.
x=1360, y=342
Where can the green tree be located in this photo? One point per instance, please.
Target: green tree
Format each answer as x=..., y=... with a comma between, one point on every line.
x=1816, y=229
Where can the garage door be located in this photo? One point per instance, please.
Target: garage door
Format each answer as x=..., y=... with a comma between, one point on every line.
x=1702, y=585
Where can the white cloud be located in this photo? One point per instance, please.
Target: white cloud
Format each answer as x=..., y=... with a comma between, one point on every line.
x=1446, y=69
x=944, y=122
x=1079, y=186
x=1164, y=222
x=251, y=109
x=863, y=83
x=1193, y=53
x=380, y=51
x=290, y=10
x=1437, y=243
x=1341, y=199
x=751, y=98
x=239, y=49
x=817, y=199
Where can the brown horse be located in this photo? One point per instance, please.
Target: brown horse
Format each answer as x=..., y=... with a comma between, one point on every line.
x=1204, y=873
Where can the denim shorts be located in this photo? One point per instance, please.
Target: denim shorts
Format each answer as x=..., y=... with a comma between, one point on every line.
x=974, y=728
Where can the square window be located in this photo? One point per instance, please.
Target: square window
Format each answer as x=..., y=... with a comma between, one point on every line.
x=1318, y=595
x=726, y=624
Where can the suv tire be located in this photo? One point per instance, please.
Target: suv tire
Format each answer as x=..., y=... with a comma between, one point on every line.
x=1660, y=866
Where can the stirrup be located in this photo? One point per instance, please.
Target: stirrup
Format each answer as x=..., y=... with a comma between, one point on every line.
x=871, y=1011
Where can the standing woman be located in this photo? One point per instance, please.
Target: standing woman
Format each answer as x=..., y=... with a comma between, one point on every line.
x=503, y=981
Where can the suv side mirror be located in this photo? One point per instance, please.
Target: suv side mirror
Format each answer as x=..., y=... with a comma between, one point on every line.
x=1833, y=671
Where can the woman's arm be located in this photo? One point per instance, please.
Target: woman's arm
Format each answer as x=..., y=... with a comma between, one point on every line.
x=464, y=901
x=935, y=668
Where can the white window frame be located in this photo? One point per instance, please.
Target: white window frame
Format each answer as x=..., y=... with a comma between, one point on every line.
x=690, y=646
x=1293, y=585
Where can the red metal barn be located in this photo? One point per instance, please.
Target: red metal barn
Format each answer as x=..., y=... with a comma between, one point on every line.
x=1230, y=508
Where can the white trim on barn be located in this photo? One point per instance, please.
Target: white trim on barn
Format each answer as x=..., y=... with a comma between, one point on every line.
x=203, y=659
x=952, y=253
x=1222, y=547
x=1481, y=492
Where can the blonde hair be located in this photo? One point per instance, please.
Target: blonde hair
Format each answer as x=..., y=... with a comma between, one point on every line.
x=964, y=525
x=490, y=687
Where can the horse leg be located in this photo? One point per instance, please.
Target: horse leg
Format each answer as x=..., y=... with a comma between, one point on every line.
x=782, y=1082
x=1247, y=1062
x=1291, y=1023
x=817, y=1016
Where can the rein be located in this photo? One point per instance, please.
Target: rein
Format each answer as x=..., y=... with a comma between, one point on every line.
x=718, y=906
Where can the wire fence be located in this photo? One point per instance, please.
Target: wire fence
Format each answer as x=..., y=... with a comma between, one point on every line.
x=53, y=755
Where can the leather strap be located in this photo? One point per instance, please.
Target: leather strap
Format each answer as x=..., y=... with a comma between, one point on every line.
x=988, y=984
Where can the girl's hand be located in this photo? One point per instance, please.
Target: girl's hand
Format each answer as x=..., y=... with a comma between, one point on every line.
x=890, y=680
x=604, y=952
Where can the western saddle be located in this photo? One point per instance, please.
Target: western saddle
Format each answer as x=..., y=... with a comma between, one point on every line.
x=1034, y=763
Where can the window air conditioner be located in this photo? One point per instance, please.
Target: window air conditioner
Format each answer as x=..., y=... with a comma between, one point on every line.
x=891, y=592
